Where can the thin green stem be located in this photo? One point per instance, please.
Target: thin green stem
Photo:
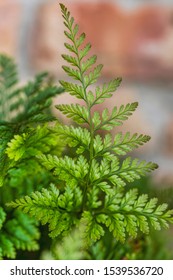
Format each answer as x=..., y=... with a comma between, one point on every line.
x=91, y=128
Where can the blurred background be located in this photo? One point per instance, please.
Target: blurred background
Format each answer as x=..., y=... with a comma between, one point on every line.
x=132, y=38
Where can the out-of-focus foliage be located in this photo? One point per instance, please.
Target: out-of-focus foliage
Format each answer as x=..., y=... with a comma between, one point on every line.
x=24, y=133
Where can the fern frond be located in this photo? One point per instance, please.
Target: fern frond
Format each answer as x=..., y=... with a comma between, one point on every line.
x=105, y=172
x=134, y=169
x=75, y=137
x=19, y=232
x=76, y=112
x=74, y=89
x=6, y=247
x=8, y=72
x=5, y=136
x=88, y=63
x=49, y=206
x=133, y=213
x=93, y=76
x=117, y=116
x=93, y=230
x=93, y=198
x=91, y=180
x=117, y=174
x=20, y=109
x=27, y=172
x=70, y=59
x=28, y=103
x=123, y=145
x=2, y=217
x=8, y=79
x=84, y=52
x=72, y=171
x=23, y=232
x=79, y=61
x=33, y=143
x=106, y=91
x=68, y=169
x=37, y=96
x=41, y=198
x=75, y=74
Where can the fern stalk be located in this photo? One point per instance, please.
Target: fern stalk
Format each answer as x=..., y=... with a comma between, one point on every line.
x=84, y=86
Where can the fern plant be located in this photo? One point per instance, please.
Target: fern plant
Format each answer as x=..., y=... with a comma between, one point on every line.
x=24, y=133
x=89, y=190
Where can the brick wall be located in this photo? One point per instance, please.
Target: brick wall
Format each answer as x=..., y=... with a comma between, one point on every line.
x=134, y=41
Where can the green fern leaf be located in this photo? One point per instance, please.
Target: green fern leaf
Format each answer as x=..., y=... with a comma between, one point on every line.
x=7, y=247
x=121, y=144
x=8, y=79
x=93, y=76
x=78, y=113
x=106, y=91
x=88, y=63
x=73, y=73
x=127, y=217
x=98, y=144
x=71, y=48
x=47, y=206
x=134, y=169
x=84, y=52
x=70, y=59
x=72, y=171
x=93, y=231
x=93, y=198
x=23, y=232
x=74, y=89
x=19, y=232
x=75, y=136
x=117, y=116
x=29, y=204
x=2, y=217
x=80, y=40
x=32, y=144
x=124, y=145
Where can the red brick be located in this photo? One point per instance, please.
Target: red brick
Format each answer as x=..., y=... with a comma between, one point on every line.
x=136, y=44
x=47, y=39
x=10, y=16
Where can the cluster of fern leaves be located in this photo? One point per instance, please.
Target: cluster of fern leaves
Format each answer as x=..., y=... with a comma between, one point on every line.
x=89, y=190
x=24, y=133
x=82, y=191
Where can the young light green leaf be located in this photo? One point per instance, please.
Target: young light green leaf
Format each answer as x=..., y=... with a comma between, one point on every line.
x=73, y=89
x=76, y=112
x=106, y=91
x=117, y=116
